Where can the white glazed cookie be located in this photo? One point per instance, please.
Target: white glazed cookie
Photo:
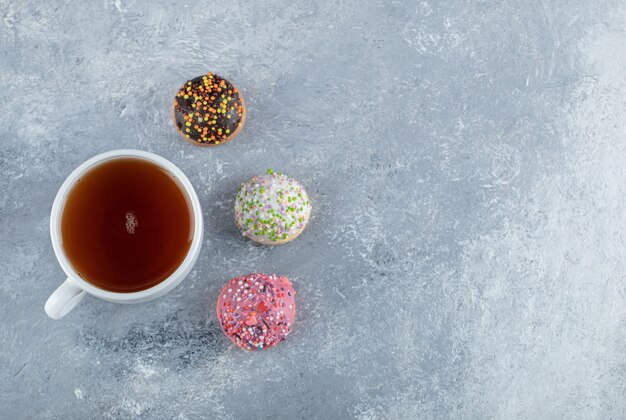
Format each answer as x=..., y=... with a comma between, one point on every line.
x=272, y=209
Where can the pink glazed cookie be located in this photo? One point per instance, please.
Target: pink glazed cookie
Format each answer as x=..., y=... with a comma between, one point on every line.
x=257, y=311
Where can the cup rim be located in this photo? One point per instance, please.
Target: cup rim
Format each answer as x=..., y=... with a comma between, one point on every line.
x=55, y=226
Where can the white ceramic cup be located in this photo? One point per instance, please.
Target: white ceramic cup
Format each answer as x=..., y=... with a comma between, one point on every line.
x=74, y=289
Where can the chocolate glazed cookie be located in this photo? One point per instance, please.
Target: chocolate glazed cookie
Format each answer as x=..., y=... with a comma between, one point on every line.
x=208, y=111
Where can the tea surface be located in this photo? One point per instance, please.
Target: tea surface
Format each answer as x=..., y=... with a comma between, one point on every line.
x=126, y=225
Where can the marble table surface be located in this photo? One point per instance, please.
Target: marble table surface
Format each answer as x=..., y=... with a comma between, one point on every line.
x=466, y=163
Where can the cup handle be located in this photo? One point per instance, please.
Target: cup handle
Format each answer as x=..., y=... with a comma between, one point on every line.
x=64, y=299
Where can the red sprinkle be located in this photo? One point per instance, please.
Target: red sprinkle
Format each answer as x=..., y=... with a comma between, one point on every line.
x=262, y=316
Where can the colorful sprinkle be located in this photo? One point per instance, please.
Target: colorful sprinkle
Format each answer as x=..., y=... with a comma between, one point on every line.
x=272, y=208
x=200, y=100
x=257, y=311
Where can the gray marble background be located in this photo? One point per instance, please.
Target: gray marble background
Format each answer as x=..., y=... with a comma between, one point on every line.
x=466, y=162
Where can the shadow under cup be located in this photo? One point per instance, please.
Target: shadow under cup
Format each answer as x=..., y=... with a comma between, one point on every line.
x=126, y=225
